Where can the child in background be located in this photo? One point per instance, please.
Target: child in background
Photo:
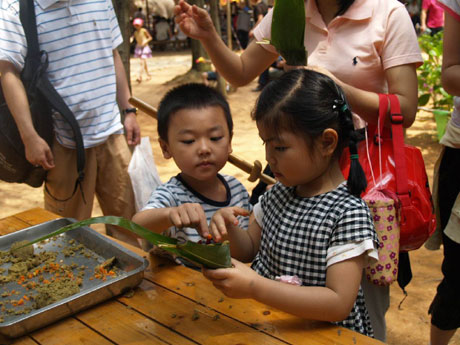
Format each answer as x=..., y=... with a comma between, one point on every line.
x=195, y=128
x=311, y=228
x=142, y=50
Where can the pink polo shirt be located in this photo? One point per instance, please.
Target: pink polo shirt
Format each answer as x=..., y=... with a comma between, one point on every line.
x=358, y=46
x=435, y=14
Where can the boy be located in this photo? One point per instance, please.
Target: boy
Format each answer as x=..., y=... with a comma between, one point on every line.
x=195, y=128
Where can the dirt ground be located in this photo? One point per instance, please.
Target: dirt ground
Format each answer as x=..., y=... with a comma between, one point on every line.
x=406, y=325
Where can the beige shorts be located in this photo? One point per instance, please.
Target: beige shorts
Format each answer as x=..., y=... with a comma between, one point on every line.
x=106, y=176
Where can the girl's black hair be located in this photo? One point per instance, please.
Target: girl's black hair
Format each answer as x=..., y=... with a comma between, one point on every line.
x=190, y=96
x=344, y=5
x=307, y=102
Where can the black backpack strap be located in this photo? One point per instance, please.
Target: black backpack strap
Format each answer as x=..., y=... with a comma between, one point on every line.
x=35, y=69
x=47, y=89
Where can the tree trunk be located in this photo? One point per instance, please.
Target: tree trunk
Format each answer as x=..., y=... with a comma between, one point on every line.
x=196, y=47
x=122, y=10
x=221, y=83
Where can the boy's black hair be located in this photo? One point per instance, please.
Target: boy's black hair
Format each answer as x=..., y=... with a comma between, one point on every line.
x=190, y=96
x=307, y=102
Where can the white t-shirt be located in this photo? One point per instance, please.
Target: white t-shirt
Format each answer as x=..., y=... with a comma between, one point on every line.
x=79, y=38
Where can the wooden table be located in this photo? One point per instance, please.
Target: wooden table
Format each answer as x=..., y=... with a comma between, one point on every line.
x=177, y=305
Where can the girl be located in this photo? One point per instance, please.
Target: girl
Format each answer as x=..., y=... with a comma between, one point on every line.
x=380, y=56
x=142, y=50
x=311, y=228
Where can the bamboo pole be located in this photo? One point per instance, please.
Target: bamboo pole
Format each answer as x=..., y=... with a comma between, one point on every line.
x=254, y=170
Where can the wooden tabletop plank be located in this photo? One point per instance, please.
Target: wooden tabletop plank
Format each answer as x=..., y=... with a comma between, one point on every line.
x=11, y=224
x=275, y=322
x=25, y=340
x=68, y=331
x=195, y=321
x=123, y=325
x=36, y=216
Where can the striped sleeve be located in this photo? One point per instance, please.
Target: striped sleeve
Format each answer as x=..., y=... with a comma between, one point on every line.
x=117, y=38
x=161, y=197
x=13, y=46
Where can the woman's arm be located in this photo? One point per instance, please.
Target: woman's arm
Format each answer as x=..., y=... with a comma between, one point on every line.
x=451, y=55
x=402, y=81
x=330, y=303
x=238, y=70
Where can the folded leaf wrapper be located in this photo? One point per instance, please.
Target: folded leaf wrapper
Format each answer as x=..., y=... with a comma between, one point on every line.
x=216, y=255
x=288, y=31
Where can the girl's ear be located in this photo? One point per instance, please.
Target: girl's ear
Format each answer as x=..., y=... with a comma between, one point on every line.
x=165, y=149
x=328, y=142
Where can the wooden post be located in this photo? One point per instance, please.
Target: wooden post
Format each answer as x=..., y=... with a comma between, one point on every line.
x=229, y=24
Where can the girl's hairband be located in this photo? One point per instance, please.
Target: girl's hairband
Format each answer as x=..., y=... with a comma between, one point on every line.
x=340, y=103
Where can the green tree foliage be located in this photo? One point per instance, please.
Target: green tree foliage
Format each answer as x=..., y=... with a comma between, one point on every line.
x=430, y=89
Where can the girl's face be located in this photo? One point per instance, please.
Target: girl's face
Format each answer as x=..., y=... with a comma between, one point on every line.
x=293, y=162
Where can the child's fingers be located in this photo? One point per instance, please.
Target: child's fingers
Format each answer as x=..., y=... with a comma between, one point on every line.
x=218, y=230
x=202, y=225
x=175, y=219
x=215, y=274
x=239, y=211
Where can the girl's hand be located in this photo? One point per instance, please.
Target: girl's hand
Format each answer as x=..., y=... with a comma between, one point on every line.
x=224, y=219
x=195, y=22
x=239, y=281
x=189, y=215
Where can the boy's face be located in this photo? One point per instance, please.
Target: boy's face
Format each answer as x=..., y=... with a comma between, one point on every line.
x=199, y=142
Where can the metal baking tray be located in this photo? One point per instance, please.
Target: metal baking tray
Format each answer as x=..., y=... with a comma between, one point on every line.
x=130, y=267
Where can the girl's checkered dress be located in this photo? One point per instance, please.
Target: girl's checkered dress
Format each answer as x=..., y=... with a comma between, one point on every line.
x=297, y=233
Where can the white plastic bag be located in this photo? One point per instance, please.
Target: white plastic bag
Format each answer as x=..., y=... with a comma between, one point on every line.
x=143, y=173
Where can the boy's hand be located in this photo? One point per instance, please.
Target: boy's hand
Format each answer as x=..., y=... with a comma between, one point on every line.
x=189, y=215
x=236, y=282
x=223, y=219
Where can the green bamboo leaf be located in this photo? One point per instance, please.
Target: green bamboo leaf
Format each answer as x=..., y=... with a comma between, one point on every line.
x=288, y=30
x=210, y=256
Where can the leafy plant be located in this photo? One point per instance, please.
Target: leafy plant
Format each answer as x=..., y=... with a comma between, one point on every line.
x=429, y=78
x=216, y=255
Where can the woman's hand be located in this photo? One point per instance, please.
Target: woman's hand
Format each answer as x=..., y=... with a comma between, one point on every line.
x=224, y=219
x=239, y=281
x=195, y=22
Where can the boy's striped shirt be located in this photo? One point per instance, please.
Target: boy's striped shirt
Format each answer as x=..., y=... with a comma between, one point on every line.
x=176, y=192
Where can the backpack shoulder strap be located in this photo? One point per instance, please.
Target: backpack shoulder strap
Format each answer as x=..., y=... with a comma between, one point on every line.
x=35, y=63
